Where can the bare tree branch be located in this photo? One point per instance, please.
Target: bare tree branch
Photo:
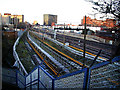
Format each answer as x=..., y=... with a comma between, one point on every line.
x=108, y=7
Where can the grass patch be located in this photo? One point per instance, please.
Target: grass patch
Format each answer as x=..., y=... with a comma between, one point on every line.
x=24, y=54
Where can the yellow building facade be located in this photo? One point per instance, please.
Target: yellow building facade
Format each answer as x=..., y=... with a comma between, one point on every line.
x=20, y=17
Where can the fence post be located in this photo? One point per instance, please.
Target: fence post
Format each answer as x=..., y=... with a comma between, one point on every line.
x=88, y=82
x=31, y=81
x=25, y=83
x=38, y=77
x=86, y=79
x=53, y=86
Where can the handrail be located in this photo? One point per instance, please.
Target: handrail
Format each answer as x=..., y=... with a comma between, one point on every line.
x=97, y=66
x=86, y=81
x=16, y=55
x=85, y=70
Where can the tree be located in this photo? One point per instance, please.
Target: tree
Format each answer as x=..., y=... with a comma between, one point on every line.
x=107, y=7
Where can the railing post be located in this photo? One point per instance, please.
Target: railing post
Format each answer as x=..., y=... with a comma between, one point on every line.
x=25, y=83
x=86, y=79
x=38, y=77
x=31, y=81
x=53, y=84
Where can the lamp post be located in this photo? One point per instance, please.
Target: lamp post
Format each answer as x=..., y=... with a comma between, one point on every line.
x=84, y=45
x=64, y=34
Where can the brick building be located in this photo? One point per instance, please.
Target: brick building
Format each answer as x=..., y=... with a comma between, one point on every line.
x=109, y=23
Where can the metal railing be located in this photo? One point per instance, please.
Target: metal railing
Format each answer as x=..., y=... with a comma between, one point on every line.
x=105, y=74
x=20, y=79
x=39, y=78
x=18, y=62
x=102, y=75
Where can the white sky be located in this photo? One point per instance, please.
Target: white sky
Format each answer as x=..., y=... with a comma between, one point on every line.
x=68, y=11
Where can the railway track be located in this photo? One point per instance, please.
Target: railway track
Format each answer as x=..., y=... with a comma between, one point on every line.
x=91, y=46
x=59, y=60
x=98, y=75
x=61, y=53
x=76, y=51
x=41, y=58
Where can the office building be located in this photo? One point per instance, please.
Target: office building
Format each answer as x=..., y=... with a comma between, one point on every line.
x=20, y=18
x=14, y=20
x=49, y=19
x=6, y=19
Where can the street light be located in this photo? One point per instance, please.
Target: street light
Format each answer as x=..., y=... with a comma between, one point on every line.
x=84, y=42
